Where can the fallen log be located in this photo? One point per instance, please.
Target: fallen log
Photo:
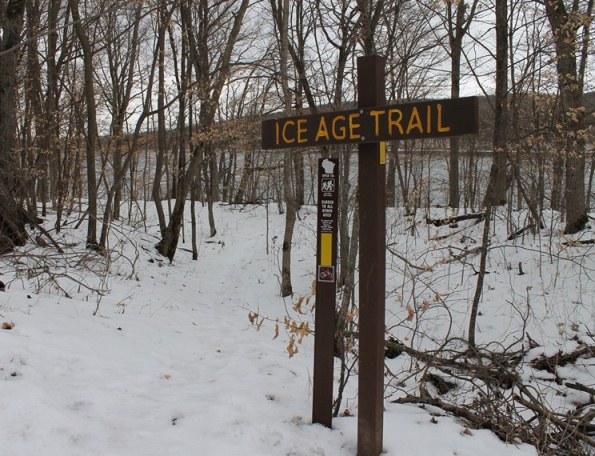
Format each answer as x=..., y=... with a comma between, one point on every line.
x=479, y=216
x=549, y=363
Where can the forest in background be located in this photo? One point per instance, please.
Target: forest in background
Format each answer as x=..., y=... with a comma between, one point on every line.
x=102, y=103
x=109, y=107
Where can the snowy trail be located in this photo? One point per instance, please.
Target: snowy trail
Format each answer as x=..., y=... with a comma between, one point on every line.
x=172, y=367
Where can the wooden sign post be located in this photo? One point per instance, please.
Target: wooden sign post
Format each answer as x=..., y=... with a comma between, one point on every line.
x=369, y=125
x=372, y=266
x=326, y=280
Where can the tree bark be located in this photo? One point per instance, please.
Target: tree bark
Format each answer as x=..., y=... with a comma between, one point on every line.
x=458, y=25
x=55, y=176
x=485, y=241
x=12, y=218
x=91, y=148
x=565, y=26
x=497, y=185
x=281, y=13
x=161, y=133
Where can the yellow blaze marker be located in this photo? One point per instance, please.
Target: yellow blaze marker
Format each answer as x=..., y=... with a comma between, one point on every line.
x=382, y=153
x=326, y=249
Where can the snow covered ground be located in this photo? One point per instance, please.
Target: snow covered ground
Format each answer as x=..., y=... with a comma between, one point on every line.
x=164, y=361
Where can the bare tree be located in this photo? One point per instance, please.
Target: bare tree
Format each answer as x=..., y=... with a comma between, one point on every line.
x=458, y=24
x=134, y=142
x=12, y=230
x=570, y=23
x=457, y=19
x=122, y=42
x=56, y=55
x=281, y=15
x=412, y=48
x=497, y=185
x=161, y=127
x=34, y=131
x=91, y=136
x=212, y=40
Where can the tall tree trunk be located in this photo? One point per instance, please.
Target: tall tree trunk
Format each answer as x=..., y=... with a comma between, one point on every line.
x=458, y=26
x=485, y=241
x=39, y=178
x=122, y=80
x=9, y=54
x=290, y=219
x=346, y=271
x=12, y=228
x=212, y=184
x=558, y=177
x=193, y=220
x=282, y=18
x=161, y=133
x=91, y=123
x=247, y=175
x=455, y=90
x=51, y=108
x=565, y=26
x=497, y=185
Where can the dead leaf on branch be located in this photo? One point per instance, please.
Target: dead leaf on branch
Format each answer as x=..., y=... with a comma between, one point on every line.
x=298, y=306
x=255, y=320
x=410, y=312
x=291, y=347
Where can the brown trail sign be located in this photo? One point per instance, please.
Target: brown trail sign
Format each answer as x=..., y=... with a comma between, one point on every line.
x=424, y=119
x=369, y=125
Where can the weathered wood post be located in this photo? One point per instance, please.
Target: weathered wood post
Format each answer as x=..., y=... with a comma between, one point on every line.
x=372, y=264
x=326, y=288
